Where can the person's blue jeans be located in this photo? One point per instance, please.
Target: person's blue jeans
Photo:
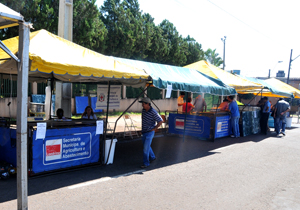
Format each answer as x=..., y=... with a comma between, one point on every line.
x=148, y=153
x=280, y=123
x=235, y=126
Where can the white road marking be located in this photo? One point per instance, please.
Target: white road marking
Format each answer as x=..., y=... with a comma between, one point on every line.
x=104, y=179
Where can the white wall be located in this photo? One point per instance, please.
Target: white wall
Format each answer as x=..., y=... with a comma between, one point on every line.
x=163, y=105
x=11, y=110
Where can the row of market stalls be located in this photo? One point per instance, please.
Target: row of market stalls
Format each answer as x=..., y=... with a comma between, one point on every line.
x=55, y=145
x=78, y=142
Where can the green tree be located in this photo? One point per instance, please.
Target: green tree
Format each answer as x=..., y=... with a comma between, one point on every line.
x=43, y=14
x=195, y=51
x=159, y=49
x=16, y=5
x=129, y=34
x=178, y=49
x=212, y=57
x=88, y=30
x=114, y=19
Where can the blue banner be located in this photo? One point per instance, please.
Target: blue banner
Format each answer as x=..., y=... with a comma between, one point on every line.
x=63, y=148
x=222, y=126
x=8, y=151
x=198, y=126
x=81, y=102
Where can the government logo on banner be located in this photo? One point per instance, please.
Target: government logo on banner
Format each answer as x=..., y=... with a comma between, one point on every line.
x=114, y=97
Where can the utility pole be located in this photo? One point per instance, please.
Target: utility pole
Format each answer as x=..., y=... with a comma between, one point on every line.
x=223, y=40
x=63, y=91
x=65, y=19
x=288, y=77
x=291, y=60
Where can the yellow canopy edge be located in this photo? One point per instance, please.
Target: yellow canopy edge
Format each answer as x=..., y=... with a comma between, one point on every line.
x=52, y=54
x=239, y=84
x=284, y=87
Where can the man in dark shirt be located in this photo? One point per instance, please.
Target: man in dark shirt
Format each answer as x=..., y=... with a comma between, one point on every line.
x=281, y=108
x=265, y=112
x=151, y=120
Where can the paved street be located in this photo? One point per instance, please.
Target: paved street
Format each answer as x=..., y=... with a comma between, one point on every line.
x=253, y=172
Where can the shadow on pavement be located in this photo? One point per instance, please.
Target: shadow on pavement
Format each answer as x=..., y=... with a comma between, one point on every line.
x=169, y=150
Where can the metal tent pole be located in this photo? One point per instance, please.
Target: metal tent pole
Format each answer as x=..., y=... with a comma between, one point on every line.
x=186, y=105
x=22, y=91
x=106, y=124
x=113, y=136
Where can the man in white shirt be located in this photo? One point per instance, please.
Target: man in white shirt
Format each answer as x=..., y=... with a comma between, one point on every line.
x=180, y=101
x=200, y=104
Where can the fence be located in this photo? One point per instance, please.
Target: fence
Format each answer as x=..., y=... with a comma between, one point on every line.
x=90, y=89
x=9, y=88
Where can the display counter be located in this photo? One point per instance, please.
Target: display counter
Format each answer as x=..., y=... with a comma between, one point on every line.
x=66, y=144
x=206, y=125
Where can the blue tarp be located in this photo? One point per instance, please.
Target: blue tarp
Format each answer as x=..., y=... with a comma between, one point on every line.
x=93, y=105
x=183, y=79
x=80, y=103
x=8, y=150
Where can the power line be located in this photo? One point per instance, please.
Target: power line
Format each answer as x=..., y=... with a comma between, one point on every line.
x=239, y=20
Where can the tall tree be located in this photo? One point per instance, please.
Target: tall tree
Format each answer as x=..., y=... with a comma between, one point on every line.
x=159, y=49
x=88, y=30
x=113, y=17
x=177, y=47
x=129, y=36
x=43, y=14
x=212, y=57
x=195, y=51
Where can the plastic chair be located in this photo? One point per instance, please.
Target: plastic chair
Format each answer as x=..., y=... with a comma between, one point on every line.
x=109, y=128
x=130, y=128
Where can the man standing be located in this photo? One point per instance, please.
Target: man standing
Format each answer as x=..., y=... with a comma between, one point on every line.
x=265, y=112
x=180, y=102
x=281, y=108
x=151, y=120
x=200, y=104
x=235, y=116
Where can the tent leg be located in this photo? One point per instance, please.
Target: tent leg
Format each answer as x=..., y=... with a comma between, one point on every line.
x=186, y=106
x=105, y=132
x=113, y=136
x=23, y=68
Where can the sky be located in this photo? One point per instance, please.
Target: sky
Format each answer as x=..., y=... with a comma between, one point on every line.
x=260, y=34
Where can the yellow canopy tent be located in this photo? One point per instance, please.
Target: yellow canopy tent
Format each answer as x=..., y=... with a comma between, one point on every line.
x=273, y=88
x=52, y=56
x=283, y=86
x=239, y=84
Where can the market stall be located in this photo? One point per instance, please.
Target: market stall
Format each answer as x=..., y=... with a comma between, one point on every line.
x=271, y=88
x=55, y=144
x=207, y=125
x=250, y=117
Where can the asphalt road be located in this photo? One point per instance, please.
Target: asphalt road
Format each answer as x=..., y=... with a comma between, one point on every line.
x=253, y=172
